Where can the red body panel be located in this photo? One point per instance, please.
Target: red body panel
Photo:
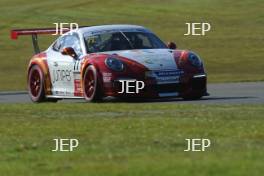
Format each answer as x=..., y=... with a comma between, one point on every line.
x=134, y=70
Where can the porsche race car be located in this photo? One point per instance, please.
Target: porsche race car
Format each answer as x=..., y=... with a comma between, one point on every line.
x=95, y=62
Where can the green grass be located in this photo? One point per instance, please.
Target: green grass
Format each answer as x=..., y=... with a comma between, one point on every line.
x=232, y=51
x=131, y=139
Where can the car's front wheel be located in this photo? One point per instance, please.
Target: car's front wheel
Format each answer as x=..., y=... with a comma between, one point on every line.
x=91, y=87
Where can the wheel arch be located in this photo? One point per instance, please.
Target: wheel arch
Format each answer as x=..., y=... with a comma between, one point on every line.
x=43, y=65
x=97, y=63
x=86, y=64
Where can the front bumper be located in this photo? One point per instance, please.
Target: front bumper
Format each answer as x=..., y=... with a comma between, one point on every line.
x=188, y=85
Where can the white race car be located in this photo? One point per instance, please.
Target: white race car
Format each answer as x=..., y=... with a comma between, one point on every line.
x=93, y=62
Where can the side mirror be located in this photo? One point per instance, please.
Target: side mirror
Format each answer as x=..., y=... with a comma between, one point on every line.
x=172, y=45
x=69, y=51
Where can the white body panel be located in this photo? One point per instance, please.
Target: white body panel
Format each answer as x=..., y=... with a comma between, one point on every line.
x=153, y=59
x=63, y=71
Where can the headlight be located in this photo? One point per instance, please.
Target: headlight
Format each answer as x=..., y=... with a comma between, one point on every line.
x=194, y=60
x=114, y=64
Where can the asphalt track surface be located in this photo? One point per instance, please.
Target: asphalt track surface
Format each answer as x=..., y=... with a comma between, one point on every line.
x=222, y=93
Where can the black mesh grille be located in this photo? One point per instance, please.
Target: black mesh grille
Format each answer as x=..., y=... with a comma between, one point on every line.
x=199, y=83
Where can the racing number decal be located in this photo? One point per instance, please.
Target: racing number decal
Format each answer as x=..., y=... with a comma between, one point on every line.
x=76, y=66
x=77, y=78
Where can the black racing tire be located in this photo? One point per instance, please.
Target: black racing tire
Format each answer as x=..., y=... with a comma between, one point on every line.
x=91, y=87
x=36, y=88
x=36, y=84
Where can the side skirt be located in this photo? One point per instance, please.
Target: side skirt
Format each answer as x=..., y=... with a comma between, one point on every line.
x=63, y=97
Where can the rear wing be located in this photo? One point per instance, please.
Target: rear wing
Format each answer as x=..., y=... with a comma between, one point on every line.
x=14, y=34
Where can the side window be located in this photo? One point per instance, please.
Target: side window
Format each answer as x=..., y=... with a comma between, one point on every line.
x=68, y=41
x=74, y=42
x=58, y=44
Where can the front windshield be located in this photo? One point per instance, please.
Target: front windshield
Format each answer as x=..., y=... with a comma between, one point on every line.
x=122, y=41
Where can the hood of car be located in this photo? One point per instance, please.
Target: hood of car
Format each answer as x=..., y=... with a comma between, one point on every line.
x=153, y=59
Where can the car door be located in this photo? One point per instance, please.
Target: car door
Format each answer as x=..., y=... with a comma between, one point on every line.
x=65, y=69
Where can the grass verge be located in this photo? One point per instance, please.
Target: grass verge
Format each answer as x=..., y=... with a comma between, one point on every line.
x=131, y=139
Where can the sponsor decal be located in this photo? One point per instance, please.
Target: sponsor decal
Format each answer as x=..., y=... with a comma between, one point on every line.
x=62, y=92
x=77, y=83
x=61, y=75
x=77, y=87
x=107, y=77
x=171, y=78
x=168, y=73
x=163, y=77
x=107, y=74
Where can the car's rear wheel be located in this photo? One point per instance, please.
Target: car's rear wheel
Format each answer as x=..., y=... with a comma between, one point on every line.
x=36, y=84
x=91, y=87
